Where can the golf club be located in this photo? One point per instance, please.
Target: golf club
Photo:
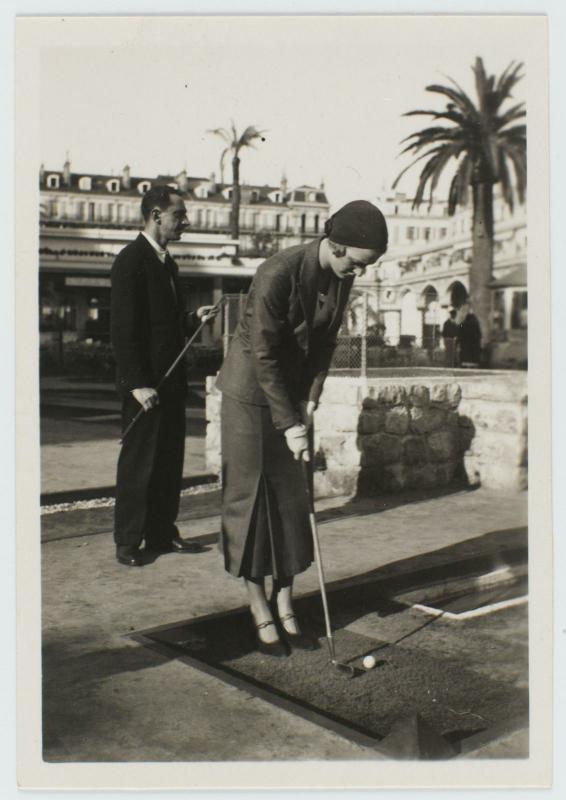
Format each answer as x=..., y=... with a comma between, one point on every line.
x=142, y=411
x=345, y=669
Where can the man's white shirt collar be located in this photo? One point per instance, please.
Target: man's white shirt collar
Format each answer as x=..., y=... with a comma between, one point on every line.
x=160, y=251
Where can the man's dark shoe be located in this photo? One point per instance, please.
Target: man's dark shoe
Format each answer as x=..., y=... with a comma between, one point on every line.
x=176, y=545
x=129, y=556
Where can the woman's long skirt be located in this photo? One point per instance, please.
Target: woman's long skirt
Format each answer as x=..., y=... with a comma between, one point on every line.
x=265, y=523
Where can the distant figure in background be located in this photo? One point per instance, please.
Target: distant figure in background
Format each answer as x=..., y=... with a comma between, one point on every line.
x=450, y=334
x=469, y=337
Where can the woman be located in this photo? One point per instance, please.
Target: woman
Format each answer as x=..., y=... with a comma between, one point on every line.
x=271, y=383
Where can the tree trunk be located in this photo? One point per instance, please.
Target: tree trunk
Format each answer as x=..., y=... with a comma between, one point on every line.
x=481, y=269
x=235, y=215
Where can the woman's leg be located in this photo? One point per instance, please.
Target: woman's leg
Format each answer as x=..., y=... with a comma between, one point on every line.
x=283, y=594
x=261, y=612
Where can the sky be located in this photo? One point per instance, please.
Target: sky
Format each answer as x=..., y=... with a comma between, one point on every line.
x=328, y=92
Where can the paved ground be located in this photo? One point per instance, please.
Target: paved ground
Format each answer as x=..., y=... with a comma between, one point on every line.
x=108, y=698
x=80, y=432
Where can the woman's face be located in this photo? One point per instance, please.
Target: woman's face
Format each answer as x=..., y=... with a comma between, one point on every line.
x=351, y=261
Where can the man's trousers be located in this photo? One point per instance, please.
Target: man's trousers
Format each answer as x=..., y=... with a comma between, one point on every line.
x=150, y=470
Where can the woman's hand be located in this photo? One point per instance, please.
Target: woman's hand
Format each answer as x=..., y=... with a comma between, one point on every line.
x=297, y=442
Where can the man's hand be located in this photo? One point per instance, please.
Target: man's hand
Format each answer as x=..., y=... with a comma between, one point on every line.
x=146, y=397
x=297, y=442
x=308, y=407
x=206, y=313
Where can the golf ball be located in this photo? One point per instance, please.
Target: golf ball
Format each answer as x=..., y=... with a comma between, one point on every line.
x=368, y=662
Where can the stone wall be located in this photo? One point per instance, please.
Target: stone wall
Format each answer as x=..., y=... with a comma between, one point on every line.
x=393, y=433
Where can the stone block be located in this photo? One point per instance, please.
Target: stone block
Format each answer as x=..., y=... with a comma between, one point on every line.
x=339, y=450
x=341, y=391
x=413, y=450
x=379, y=448
x=439, y=393
x=372, y=421
x=425, y=420
x=453, y=394
x=508, y=387
x=370, y=403
x=392, y=395
x=397, y=420
x=383, y=478
x=332, y=417
x=335, y=482
x=443, y=445
x=501, y=450
x=419, y=396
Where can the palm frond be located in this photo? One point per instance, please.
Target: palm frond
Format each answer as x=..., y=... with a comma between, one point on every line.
x=432, y=171
x=222, y=132
x=433, y=151
x=515, y=112
x=458, y=96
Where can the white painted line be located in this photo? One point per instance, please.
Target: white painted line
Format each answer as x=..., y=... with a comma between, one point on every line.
x=475, y=612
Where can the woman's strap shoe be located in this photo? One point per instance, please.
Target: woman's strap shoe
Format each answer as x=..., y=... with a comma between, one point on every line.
x=299, y=640
x=276, y=648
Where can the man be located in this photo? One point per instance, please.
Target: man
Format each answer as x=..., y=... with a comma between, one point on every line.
x=469, y=337
x=449, y=334
x=148, y=329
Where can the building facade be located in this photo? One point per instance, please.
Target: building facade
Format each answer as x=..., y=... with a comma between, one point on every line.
x=86, y=219
x=425, y=273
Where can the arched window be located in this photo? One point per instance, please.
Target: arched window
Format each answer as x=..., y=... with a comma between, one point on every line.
x=85, y=184
x=113, y=185
x=52, y=181
x=144, y=186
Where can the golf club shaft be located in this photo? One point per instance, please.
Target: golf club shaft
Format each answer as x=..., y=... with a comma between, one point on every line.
x=141, y=410
x=318, y=561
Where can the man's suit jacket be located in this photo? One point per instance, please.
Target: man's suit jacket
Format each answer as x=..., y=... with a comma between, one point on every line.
x=148, y=320
x=273, y=359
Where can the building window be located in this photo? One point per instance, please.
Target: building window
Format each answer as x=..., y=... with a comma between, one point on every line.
x=52, y=182
x=254, y=197
x=278, y=222
x=303, y=223
x=316, y=223
x=410, y=233
x=91, y=214
x=85, y=184
x=113, y=186
x=443, y=232
x=201, y=192
x=277, y=197
x=312, y=197
x=144, y=186
x=426, y=234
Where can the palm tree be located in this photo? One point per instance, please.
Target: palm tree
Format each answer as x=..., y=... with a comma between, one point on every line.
x=235, y=143
x=486, y=142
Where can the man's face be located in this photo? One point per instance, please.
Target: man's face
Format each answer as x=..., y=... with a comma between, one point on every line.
x=353, y=262
x=173, y=219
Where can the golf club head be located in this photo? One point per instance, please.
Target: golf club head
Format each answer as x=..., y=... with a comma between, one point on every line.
x=347, y=670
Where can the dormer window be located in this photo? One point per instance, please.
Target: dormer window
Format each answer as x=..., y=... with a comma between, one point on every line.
x=227, y=193
x=254, y=196
x=201, y=192
x=277, y=197
x=312, y=197
x=113, y=185
x=144, y=186
x=52, y=182
x=85, y=184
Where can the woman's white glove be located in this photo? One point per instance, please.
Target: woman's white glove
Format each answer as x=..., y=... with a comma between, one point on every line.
x=308, y=407
x=297, y=442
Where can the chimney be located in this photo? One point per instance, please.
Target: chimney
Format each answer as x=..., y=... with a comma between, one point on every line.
x=67, y=172
x=42, y=174
x=183, y=181
x=284, y=184
x=126, y=180
x=322, y=185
